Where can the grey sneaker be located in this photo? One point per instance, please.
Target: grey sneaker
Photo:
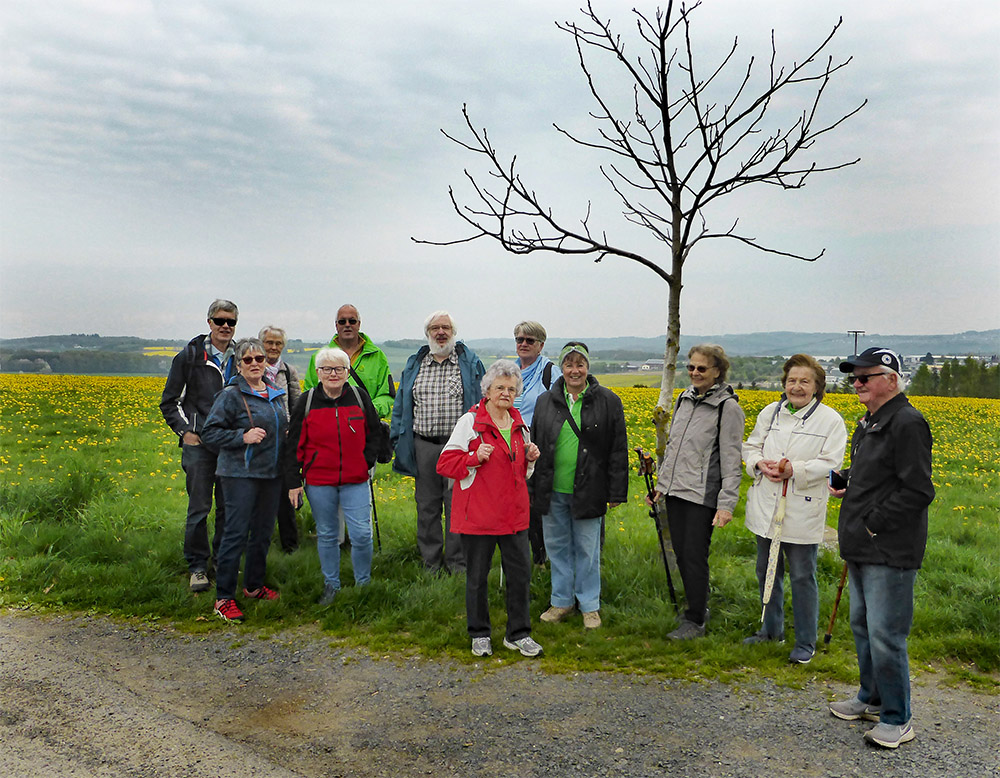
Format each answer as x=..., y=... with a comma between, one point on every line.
x=801, y=656
x=526, y=646
x=482, y=647
x=761, y=637
x=688, y=630
x=890, y=735
x=328, y=596
x=199, y=581
x=853, y=709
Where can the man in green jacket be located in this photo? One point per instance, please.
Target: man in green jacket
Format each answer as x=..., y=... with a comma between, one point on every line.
x=367, y=360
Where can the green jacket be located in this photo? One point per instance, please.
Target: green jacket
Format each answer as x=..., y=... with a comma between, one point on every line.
x=371, y=366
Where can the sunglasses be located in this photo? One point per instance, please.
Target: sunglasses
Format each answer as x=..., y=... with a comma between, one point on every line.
x=222, y=321
x=864, y=379
x=522, y=339
x=698, y=368
x=326, y=370
x=258, y=358
x=342, y=322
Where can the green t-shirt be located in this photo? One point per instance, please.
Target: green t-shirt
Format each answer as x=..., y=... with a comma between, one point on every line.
x=567, y=447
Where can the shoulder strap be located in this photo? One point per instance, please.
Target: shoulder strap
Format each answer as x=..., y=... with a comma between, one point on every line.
x=309, y=402
x=547, y=375
x=357, y=396
x=564, y=409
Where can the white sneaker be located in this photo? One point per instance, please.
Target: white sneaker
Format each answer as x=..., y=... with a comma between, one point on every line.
x=525, y=645
x=482, y=647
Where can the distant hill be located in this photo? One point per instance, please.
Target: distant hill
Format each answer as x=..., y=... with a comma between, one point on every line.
x=92, y=353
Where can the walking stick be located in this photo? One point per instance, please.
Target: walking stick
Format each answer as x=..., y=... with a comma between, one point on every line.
x=775, y=551
x=378, y=538
x=836, y=604
x=647, y=467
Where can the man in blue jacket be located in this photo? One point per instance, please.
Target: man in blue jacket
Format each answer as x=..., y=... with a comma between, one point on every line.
x=197, y=373
x=439, y=383
x=883, y=535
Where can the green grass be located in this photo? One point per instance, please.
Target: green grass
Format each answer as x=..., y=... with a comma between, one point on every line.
x=94, y=523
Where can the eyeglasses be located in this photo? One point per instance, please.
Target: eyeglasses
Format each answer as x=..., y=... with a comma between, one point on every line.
x=342, y=322
x=864, y=379
x=523, y=339
x=222, y=321
x=326, y=370
x=698, y=368
x=258, y=358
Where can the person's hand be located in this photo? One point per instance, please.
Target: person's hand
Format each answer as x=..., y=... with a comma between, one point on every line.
x=653, y=495
x=295, y=497
x=191, y=439
x=722, y=518
x=254, y=435
x=769, y=469
x=483, y=452
x=836, y=492
x=613, y=504
x=532, y=452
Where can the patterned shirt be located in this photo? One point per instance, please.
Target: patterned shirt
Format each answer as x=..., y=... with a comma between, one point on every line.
x=437, y=396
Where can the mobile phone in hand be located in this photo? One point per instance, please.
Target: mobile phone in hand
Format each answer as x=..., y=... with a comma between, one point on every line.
x=837, y=481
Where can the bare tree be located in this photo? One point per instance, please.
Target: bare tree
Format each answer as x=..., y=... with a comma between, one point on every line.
x=676, y=151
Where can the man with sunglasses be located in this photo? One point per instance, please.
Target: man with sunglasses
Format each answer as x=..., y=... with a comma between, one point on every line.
x=883, y=534
x=367, y=360
x=197, y=373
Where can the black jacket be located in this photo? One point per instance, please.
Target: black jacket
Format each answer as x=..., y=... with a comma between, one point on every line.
x=192, y=383
x=888, y=488
x=602, y=459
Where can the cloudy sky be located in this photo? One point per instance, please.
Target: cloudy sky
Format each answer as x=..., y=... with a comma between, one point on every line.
x=155, y=155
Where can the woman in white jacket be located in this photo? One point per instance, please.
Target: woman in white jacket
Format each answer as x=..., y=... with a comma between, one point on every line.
x=812, y=437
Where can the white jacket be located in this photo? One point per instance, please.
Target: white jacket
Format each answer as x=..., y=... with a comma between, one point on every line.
x=813, y=439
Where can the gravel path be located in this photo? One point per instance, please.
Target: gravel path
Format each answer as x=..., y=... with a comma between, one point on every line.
x=86, y=696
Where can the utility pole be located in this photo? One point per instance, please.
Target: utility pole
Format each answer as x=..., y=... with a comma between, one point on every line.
x=855, y=333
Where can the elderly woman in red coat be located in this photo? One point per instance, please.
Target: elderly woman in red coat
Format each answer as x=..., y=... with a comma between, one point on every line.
x=490, y=456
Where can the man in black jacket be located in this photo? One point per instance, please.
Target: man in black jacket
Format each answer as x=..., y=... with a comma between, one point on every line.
x=198, y=372
x=883, y=534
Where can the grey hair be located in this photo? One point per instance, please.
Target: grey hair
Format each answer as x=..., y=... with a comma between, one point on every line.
x=264, y=331
x=717, y=354
x=222, y=305
x=247, y=345
x=435, y=315
x=502, y=368
x=532, y=329
x=335, y=355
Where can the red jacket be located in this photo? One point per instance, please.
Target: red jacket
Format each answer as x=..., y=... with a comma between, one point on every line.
x=489, y=498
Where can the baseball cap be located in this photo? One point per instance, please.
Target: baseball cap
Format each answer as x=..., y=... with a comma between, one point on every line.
x=873, y=357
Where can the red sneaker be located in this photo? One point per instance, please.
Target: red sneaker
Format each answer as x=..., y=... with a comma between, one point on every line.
x=228, y=610
x=263, y=593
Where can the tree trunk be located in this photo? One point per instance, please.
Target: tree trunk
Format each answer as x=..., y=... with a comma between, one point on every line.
x=665, y=402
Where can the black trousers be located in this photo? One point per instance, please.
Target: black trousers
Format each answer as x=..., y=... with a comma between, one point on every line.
x=288, y=528
x=691, y=535
x=515, y=560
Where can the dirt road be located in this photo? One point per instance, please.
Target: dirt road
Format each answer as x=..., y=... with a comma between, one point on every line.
x=89, y=697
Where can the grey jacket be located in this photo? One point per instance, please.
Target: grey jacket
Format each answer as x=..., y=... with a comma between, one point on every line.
x=703, y=463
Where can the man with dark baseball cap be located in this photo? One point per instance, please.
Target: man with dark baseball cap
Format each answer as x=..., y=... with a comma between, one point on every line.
x=883, y=535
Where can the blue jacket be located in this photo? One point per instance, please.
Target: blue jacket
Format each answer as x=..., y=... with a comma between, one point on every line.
x=401, y=431
x=228, y=420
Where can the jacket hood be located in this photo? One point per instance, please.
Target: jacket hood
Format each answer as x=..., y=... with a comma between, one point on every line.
x=240, y=382
x=714, y=396
x=483, y=420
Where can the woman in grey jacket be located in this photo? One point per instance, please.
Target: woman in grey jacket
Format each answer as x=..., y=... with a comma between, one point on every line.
x=700, y=475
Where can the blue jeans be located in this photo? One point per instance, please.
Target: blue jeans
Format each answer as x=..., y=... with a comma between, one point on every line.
x=881, y=617
x=251, y=505
x=574, y=549
x=198, y=463
x=357, y=504
x=805, y=591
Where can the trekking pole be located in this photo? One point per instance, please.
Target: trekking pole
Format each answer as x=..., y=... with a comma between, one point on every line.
x=836, y=604
x=647, y=467
x=775, y=550
x=378, y=538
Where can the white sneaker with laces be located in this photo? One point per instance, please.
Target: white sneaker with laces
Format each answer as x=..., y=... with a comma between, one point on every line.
x=525, y=645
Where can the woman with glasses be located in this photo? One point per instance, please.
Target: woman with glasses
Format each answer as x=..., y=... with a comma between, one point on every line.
x=700, y=475
x=247, y=426
x=332, y=444
x=809, y=438
x=490, y=456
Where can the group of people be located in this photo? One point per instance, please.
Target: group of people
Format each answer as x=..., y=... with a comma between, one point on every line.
x=527, y=456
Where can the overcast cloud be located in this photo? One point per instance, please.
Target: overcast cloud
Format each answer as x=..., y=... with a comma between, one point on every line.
x=156, y=155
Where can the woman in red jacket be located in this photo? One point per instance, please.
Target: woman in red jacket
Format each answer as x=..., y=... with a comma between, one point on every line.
x=490, y=455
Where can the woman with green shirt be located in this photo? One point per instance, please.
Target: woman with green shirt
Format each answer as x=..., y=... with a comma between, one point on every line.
x=579, y=428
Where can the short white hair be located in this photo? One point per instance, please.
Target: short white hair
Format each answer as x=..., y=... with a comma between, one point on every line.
x=334, y=356
x=265, y=331
x=438, y=315
x=502, y=368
